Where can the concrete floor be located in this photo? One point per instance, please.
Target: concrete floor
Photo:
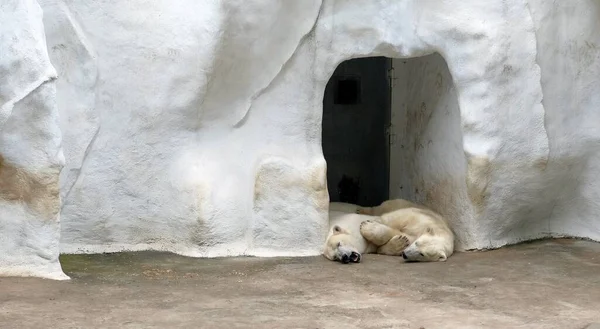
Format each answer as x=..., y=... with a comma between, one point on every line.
x=549, y=284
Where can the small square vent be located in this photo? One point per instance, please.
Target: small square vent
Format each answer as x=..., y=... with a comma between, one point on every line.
x=347, y=91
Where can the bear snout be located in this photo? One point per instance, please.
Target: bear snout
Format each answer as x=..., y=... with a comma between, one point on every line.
x=345, y=259
x=355, y=257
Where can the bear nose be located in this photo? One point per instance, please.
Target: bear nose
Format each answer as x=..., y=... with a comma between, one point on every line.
x=404, y=256
x=345, y=259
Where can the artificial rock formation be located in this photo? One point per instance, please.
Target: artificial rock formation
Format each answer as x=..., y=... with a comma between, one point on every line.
x=196, y=128
x=30, y=146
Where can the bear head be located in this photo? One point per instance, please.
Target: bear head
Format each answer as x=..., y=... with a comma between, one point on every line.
x=426, y=248
x=341, y=246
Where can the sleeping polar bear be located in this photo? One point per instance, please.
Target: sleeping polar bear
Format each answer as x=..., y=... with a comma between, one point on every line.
x=344, y=207
x=387, y=206
x=344, y=242
x=413, y=231
x=384, y=207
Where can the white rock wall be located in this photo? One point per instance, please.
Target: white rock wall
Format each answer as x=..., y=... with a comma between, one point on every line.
x=166, y=155
x=427, y=158
x=568, y=42
x=30, y=146
x=493, y=65
x=195, y=128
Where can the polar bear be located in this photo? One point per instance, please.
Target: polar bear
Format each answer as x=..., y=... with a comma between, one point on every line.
x=343, y=207
x=414, y=232
x=346, y=244
x=384, y=207
x=426, y=233
x=387, y=206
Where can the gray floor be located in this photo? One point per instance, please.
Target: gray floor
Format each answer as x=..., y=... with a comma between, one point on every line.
x=550, y=284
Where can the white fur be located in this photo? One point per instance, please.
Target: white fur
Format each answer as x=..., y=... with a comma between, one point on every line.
x=413, y=231
x=430, y=238
x=387, y=206
x=344, y=236
x=343, y=207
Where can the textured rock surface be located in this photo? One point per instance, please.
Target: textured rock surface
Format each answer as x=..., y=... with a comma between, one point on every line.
x=30, y=152
x=568, y=40
x=428, y=143
x=196, y=128
x=171, y=161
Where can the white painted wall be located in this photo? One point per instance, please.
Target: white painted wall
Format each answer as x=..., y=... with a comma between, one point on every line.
x=195, y=128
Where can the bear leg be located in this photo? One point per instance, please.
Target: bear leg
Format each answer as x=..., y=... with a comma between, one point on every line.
x=377, y=233
x=395, y=246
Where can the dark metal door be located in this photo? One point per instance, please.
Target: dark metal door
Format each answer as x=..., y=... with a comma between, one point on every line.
x=356, y=118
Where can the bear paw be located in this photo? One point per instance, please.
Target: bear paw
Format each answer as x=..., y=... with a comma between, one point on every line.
x=399, y=243
x=368, y=221
x=367, y=226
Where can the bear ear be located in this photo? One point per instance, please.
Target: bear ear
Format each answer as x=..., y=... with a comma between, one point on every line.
x=442, y=257
x=337, y=230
